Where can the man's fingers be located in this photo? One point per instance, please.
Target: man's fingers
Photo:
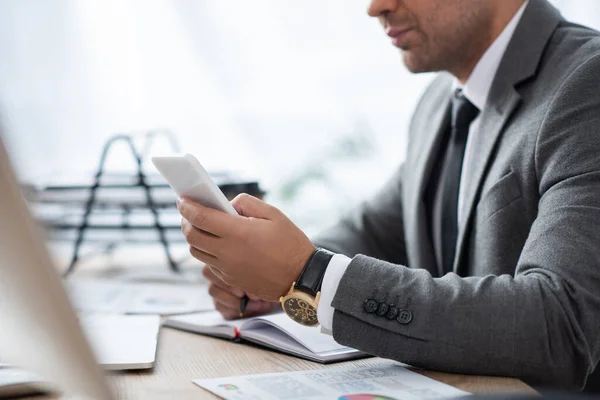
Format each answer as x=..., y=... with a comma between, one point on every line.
x=253, y=297
x=255, y=308
x=250, y=206
x=202, y=256
x=207, y=242
x=214, y=276
x=258, y=307
x=216, y=222
x=209, y=274
x=224, y=297
x=226, y=312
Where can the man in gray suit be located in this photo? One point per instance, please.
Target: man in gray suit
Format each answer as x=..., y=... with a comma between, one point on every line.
x=481, y=255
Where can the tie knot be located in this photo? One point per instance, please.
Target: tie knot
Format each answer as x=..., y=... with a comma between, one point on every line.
x=463, y=111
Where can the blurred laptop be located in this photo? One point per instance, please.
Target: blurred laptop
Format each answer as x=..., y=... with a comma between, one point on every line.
x=40, y=331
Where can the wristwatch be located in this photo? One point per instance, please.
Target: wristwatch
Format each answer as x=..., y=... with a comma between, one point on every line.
x=302, y=300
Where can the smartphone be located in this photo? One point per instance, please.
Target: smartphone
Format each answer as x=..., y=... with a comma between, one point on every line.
x=187, y=177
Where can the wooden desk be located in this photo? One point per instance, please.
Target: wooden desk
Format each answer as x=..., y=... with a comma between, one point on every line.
x=184, y=356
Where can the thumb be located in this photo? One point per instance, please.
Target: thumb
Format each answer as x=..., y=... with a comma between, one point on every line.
x=250, y=206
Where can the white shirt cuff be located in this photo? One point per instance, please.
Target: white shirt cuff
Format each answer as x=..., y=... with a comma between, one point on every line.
x=333, y=275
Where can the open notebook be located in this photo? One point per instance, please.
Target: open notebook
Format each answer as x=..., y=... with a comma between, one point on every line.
x=276, y=331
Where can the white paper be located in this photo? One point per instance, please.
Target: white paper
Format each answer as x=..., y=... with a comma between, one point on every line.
x=138, y=298
x=310, y=337
x=275, y=330
x=385, y=382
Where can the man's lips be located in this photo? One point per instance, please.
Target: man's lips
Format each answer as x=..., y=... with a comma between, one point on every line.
x=397, y=35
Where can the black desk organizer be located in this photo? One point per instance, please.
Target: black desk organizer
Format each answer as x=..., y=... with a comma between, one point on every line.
x=153, y=195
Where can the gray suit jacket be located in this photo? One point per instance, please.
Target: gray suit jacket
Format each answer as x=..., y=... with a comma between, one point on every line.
x=524, y=298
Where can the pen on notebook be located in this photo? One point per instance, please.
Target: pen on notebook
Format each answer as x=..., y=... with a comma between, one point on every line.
x=243, y=305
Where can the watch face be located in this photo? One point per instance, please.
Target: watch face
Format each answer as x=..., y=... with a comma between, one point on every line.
x=300, y=311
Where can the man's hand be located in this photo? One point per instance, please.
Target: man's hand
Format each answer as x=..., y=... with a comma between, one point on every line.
x=260, y=251
x=228, y=300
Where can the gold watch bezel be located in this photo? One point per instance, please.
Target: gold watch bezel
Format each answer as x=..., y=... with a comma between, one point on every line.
x=294, y=293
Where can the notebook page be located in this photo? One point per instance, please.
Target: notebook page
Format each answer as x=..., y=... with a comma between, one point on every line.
x=311, y=338
x=271, y=337
x=209, y=323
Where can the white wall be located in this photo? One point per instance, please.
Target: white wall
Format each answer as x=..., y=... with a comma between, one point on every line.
x=267, y=87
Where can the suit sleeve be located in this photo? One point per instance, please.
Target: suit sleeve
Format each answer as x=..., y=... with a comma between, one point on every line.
x=542, y=324
x=375, y=228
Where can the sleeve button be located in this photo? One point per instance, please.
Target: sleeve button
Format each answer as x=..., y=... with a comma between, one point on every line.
x=370, y=306
x=404, y=316
x=392, y=313
x=382, y=308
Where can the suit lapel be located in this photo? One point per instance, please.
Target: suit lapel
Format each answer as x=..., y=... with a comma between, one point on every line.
x=493, y=122
x=435, y=121
x=520, y=62
x=428, y=152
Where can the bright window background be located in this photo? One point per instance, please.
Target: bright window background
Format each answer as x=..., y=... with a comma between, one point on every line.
x=309, y=97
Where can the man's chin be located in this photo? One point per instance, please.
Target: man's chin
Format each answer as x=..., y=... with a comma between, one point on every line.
x=414, y=63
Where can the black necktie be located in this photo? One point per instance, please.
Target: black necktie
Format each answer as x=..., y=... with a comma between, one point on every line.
x=463, y=113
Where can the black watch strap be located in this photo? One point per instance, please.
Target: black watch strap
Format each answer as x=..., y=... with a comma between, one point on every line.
x=311, y=277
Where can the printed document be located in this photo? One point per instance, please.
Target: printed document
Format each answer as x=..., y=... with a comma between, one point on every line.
x=386, y=382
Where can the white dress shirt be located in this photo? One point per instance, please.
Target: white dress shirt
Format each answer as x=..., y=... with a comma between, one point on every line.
x=476, y=90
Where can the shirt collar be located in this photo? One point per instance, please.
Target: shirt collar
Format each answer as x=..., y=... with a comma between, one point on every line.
x=480, y=82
